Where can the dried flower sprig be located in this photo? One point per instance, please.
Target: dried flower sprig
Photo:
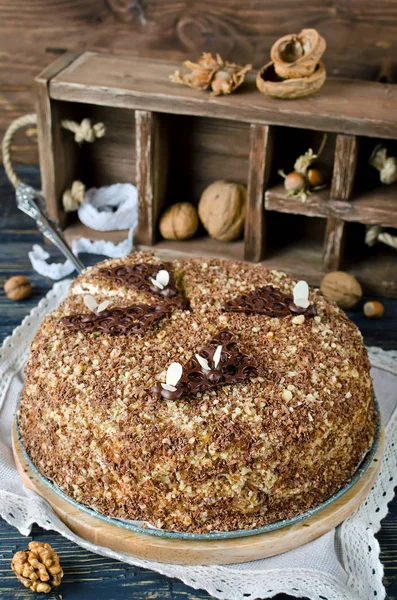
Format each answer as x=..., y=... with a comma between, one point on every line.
x=209, y=72
x=304, y=180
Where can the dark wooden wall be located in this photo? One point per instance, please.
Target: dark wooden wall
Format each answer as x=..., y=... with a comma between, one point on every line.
x=361, y=37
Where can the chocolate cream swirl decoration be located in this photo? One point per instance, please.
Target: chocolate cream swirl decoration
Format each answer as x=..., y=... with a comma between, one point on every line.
x=272, y=302
x=220, y=362
x=157, y=280
x=136, y=318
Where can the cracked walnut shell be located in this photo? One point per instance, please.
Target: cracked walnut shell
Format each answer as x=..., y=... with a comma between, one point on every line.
x=38, y=567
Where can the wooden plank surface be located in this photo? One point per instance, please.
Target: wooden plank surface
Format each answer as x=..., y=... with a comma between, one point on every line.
x=361, y=37
x=90, y=576
x=342, y=105
x=376, y=206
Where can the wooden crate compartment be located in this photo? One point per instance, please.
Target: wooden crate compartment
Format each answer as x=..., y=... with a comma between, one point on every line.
x=374, y=267
x=201, y=151
x=291, y=142
x=109, y=160
x=172, y=141
x=372, y=202
x=294, y=244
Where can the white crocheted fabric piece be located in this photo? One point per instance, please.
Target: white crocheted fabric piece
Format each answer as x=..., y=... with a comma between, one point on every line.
x=341, y=565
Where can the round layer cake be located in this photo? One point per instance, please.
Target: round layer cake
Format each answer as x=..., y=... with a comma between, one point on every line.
x=276, y=424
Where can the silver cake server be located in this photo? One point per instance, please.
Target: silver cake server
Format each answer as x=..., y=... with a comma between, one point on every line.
x=31, y=202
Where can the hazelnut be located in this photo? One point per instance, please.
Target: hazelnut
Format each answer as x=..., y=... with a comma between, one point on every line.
x=221, y=82
x=373, y=309
x=179, y=222
x=314, y=177
x=18, y=288
x=342, y=288
x=294, y=181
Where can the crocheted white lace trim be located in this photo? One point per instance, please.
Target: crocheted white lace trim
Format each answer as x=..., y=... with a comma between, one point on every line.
x=357, y=546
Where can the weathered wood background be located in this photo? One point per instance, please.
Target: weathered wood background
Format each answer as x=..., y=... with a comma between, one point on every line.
x=361, y=37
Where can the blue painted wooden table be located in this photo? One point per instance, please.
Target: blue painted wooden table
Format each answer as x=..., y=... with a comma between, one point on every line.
x=88, y=576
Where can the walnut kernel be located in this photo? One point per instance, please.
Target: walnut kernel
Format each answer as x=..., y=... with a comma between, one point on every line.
x=38, y=568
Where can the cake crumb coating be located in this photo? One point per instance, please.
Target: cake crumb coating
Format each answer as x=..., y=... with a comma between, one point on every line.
x=239, y=457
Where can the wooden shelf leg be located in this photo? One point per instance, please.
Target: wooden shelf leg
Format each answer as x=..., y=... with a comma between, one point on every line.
x=261, y=150
x=151, y=170
x=345, y=163
x=53, y=163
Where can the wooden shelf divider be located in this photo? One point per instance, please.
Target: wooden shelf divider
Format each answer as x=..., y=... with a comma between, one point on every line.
x=261, y=154
x=53, y=163
x=345, y=163
x=150, y=174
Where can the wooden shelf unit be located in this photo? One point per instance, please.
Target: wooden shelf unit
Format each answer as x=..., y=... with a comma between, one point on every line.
x=172, y=141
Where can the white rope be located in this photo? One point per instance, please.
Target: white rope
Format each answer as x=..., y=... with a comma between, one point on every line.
x=375, y=234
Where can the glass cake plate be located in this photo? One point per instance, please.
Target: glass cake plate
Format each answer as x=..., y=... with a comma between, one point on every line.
x=150, y=530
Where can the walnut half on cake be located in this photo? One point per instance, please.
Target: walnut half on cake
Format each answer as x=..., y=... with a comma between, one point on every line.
x=255, y=425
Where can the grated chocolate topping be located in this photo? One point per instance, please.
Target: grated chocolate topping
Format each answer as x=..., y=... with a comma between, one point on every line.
x=236, y=457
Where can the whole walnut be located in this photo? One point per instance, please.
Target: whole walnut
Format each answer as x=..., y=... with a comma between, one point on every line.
x=18, y=288
x=179, y=222
x=38, y=567
x=222, y=210
x=342, y=288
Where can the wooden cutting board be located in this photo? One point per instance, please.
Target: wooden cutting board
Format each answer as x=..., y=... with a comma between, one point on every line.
x=200, y=552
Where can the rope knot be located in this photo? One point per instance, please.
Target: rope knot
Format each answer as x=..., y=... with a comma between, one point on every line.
x=71, y=199
x=84, y=131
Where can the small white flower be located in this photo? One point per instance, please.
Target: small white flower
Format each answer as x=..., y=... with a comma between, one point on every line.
x=93, y=305
x=301, y=294
x=174, y=373
x=162, y=279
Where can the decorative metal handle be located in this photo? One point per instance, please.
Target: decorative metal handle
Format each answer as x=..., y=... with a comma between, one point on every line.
x=31, y=202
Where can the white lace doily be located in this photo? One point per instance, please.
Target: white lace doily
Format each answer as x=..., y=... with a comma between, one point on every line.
x=341, y=565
